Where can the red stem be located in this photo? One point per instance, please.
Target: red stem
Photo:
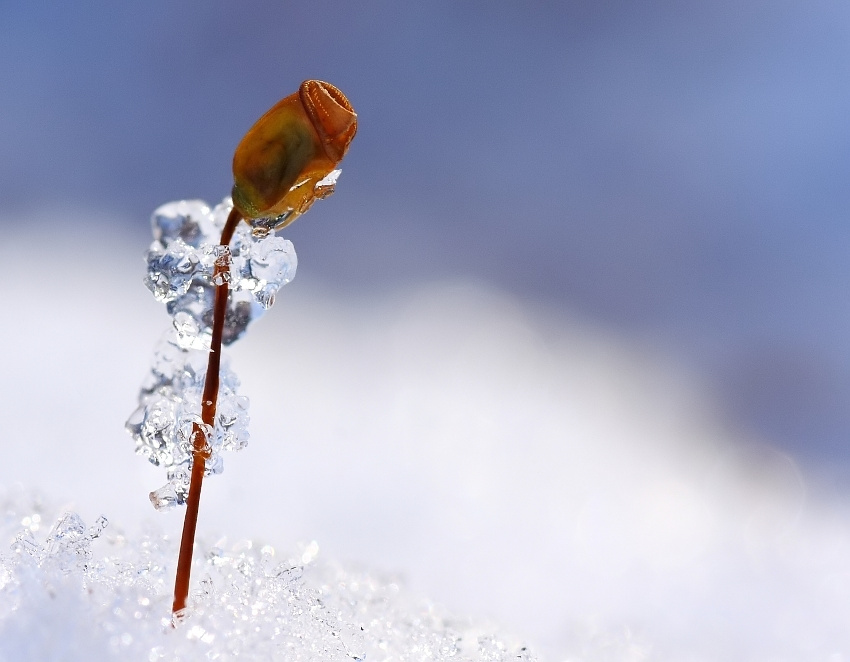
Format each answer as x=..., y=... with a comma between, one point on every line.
x=209, y=400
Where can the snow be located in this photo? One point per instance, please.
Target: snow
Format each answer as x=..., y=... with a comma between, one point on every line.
x=518, y=466
x=72, y=598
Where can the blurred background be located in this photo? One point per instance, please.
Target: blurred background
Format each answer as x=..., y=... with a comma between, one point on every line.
x=677, y=172
x=666, y=182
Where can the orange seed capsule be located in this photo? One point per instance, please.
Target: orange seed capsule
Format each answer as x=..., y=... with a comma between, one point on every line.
x=291, y=149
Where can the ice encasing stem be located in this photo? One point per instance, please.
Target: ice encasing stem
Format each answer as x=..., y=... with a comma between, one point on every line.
x=209, y=399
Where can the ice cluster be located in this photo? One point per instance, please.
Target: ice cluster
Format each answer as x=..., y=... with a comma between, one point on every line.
x=181, y=265
x=80, y=594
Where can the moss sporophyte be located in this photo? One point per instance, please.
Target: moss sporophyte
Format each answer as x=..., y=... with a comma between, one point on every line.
x=214, y=287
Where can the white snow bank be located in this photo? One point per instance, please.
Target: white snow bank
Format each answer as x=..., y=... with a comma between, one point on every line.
x=77, y=594
x=529, y=469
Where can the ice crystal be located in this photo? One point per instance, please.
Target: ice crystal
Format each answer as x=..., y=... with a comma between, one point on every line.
x=68, y=543
x=182, y=258
x=181, y=263
x=110, y=598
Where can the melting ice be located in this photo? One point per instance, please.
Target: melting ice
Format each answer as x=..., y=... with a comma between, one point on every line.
x=180, y=266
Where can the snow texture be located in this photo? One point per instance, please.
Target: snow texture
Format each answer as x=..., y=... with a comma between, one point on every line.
x=181, y=264
x=75, y=594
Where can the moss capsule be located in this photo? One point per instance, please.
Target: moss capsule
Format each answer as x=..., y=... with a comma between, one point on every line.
x=289, y=150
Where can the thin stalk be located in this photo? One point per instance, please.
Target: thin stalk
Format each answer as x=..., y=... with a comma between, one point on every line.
x=200, y=450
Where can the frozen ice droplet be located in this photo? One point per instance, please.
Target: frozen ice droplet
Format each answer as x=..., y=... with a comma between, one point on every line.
x=186, y=264
x=214, y=465
x=179, y=219
x=171, y=269
x=188, y=332
x=326, y=186
x=265, y=297
x=165, y=498
x=134, y=423
x=262, y=227
x=221, y=252
x=157, y=431
x=273, y=260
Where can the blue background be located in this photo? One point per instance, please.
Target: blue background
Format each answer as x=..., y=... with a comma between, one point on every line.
x=676, y=172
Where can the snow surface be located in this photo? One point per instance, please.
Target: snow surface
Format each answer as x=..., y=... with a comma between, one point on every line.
x=81, y=595
x=512, y=464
